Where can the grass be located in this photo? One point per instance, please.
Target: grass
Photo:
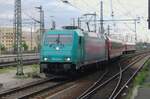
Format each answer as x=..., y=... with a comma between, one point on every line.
x=30, y=71
x=140, y=78
x=35, y=68
x=34, y=72
x=7, y=69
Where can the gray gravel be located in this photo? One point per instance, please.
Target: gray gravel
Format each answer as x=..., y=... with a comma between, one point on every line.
x=9, y=80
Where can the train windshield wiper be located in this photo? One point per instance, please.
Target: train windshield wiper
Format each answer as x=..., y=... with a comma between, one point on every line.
x=58, y=39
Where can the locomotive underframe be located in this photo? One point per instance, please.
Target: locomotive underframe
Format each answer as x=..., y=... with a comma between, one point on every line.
x=56, y=68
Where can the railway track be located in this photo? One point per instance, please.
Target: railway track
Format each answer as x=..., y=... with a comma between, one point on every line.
x=125, y=81
x=31, y=89
x=6, y=61
x=25, y=62
x=34, y=89
x=10, y=60
x=118, y=80
x=14, y=55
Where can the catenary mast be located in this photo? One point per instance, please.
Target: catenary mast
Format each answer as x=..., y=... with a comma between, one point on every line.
x=18, y=36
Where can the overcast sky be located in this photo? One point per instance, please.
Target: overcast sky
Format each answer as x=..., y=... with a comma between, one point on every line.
x=123, y=9
x=63, y=13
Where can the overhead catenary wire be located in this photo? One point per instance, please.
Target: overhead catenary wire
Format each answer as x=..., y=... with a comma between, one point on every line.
x=129, y=12
x=69, y=4
x=125, y=9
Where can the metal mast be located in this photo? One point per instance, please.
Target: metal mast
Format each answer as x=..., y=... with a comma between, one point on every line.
x=42, y=21
x=101, y=18
x=112, y=13
x=79, y=22
x=42, y=27
x=135, y=30
x=18, y=36
x=73, y=22
x=95, y=23
x=31, y=38
x=108, y=30
x=148, y=14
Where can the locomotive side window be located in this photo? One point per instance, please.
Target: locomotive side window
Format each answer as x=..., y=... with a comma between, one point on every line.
x=80, y=40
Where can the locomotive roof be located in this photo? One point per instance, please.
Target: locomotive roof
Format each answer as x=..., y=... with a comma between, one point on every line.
x=115, y=40
x=78, y=31
x=129, y=43
x=92, y=34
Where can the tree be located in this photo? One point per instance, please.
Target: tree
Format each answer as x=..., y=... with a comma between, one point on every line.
x=34, y=49
x=25, y=46
x=2, y=47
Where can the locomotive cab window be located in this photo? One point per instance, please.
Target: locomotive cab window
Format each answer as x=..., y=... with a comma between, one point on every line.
x=58, y=39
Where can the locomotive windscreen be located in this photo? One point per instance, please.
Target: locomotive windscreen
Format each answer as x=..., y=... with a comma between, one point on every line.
x=58, y=39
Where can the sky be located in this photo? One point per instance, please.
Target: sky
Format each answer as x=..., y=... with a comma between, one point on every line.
x=63, y=13
x=123, y=9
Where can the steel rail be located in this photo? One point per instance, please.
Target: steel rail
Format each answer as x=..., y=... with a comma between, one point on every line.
x=93, y=86
x=13, y=90
x=42, y=90
x=8, y=56
x=130, y=79
x=111, y=78
x=119, y=81
x=25, y=62
x=88, y=90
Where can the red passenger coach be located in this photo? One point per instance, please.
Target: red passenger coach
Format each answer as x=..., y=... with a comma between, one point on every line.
x=129, y=48
x=115, y=48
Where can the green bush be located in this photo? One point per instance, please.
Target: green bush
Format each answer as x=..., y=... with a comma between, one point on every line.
x=140, y=78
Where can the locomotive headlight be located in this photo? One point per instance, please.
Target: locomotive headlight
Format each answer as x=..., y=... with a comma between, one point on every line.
x=45, y=59
x=68, y=59
x=57, y=48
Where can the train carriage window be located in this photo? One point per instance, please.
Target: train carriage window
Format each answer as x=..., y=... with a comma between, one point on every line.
x=102, y=36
